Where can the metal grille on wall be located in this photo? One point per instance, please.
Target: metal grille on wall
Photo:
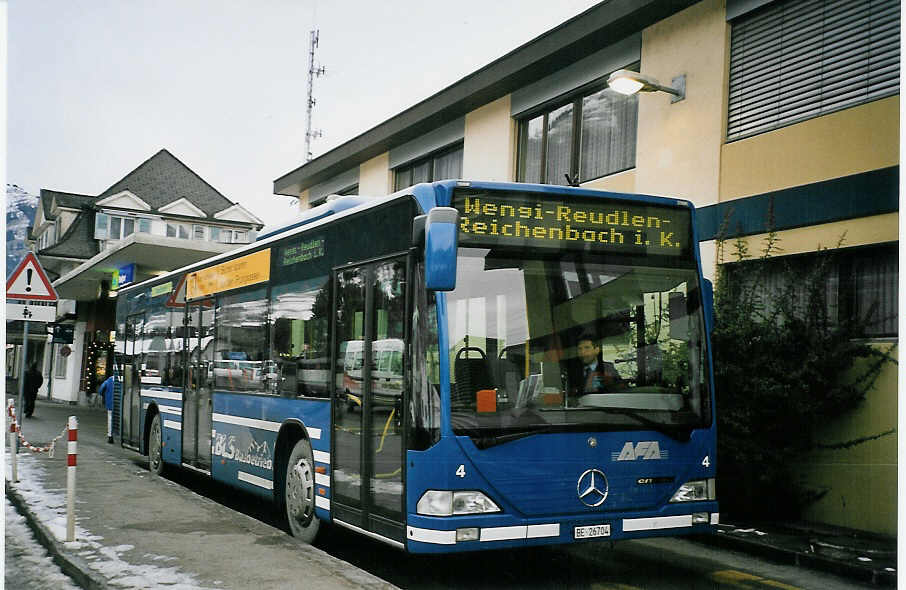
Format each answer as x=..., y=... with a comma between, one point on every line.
x=794, y=60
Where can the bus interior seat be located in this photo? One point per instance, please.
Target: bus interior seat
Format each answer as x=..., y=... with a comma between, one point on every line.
x=472, y=374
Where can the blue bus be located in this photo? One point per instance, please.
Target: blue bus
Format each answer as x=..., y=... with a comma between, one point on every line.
x=457, y=366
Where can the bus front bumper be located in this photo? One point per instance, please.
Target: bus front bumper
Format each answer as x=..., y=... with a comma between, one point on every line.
x=445, y=535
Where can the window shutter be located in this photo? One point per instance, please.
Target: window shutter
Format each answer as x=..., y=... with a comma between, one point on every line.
x=794, y=60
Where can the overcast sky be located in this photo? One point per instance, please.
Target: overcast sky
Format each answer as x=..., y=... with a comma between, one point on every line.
x=95, y=87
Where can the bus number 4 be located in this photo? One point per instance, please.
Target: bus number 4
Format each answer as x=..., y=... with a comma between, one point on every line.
x=706, y=462
x=461, y=471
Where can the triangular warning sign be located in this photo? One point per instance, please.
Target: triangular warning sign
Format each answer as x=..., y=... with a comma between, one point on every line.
x=29, y=281
x=178, y=296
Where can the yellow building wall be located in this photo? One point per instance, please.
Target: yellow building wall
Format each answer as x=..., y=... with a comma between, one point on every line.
x=678, y=148
x=863, y=231
x=858, y=139
x=860, y=482
x=304, y=199
x=621, y=182
x=374, y=176
x=490, y=143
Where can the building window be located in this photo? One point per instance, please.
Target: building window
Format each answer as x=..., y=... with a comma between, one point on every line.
x=225, y=235
x=115, y=227
x=793, y=60
x=144, y=225
x=861, y=284
x=61, y=362
x=177, y=230
x=439, y=166
x=590, y=136
x=48, y=237
x=198, y=232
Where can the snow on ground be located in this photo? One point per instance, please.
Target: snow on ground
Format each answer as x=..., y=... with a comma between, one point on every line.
x=49, y=507
x=27, y=563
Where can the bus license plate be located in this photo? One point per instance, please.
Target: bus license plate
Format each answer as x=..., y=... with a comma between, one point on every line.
x=592, y=531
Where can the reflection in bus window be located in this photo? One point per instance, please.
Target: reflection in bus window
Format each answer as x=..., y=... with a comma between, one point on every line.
x=299, y=328
x=241, y=348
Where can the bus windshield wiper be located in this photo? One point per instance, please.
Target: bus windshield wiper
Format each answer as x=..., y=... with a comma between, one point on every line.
x=487, y=441
x=676, y=432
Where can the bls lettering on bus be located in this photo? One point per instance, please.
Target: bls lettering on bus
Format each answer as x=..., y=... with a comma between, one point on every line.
x=458, y=366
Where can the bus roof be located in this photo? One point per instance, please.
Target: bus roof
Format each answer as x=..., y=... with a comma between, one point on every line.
x=427, y=194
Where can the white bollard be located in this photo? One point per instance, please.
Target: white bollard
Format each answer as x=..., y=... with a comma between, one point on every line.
x=71, y=478
x=11, y=416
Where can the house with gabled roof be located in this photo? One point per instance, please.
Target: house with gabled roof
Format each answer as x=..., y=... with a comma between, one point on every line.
x=158, y=217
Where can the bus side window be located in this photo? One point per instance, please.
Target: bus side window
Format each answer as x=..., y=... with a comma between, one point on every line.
x=300, y=343
x=241, y=347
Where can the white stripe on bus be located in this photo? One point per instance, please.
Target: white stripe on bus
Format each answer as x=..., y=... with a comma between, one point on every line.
x=170, y=410
x=502, y=533
x=321, y=456
x=536, y=531
x=172, y=424
x=255, y=480
x=322, y=480
x=314, y=433
x=162, y=394
x=431, y=536
x=322, y=502
x=658, y=522
x=250, y=422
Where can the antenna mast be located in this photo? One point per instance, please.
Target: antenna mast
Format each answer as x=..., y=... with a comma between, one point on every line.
x=313, y=72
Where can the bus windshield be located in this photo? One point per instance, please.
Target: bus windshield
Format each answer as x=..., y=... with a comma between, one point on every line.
x=574, y=341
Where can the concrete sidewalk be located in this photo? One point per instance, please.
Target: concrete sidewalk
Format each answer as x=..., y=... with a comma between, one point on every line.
x=133, y=527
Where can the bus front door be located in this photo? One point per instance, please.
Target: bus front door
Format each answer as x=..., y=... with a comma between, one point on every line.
x=370, y=323
x=197, y=402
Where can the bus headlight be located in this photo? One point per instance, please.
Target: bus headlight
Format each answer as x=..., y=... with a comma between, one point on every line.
x=449, y=503
x=696, y=491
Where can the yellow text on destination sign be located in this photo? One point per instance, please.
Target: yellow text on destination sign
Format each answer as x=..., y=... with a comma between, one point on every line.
x=613, y=225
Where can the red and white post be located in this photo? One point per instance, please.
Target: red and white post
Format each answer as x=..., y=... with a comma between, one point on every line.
x=71, y=477
x=11, y=416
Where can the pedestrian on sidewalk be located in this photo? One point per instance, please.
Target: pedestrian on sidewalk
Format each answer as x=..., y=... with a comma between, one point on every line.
x=106, y=390
x=33, y=382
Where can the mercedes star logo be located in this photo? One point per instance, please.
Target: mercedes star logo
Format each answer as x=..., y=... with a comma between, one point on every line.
x=592, y=488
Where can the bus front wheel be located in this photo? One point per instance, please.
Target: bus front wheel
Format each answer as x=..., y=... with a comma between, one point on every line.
x=155, y=448
x=299, y=493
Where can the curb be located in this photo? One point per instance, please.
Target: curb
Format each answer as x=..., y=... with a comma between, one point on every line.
x=73, y=566
x=799, y=558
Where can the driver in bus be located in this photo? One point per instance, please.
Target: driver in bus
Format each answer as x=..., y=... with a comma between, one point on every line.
x=595, y=375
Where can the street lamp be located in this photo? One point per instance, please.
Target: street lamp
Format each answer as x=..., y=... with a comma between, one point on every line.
x=629, y=82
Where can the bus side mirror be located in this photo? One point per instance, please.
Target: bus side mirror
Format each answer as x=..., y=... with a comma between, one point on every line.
x=708, y=304
x=441, y=235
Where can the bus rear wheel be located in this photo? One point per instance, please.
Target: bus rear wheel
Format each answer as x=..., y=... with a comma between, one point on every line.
x=299, y=493
x=155, y=448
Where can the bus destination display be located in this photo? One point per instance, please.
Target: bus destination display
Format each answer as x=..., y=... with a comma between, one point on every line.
x=532, y=219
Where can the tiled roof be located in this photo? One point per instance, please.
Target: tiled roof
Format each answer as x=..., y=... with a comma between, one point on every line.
x=162, y=179
x=72, y=200
x=78, y=241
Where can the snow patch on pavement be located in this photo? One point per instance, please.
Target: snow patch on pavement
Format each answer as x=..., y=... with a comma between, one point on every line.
x=49, y=507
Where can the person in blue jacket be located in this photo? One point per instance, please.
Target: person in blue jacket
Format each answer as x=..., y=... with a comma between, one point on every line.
x=106, y=389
